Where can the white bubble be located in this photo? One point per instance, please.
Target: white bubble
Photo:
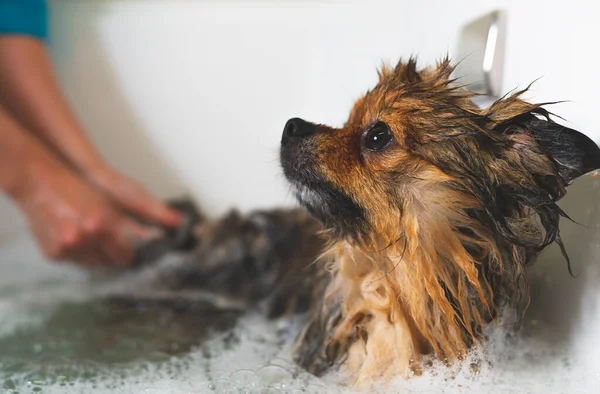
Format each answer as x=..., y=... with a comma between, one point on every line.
x=244, y=379
x=273, y=374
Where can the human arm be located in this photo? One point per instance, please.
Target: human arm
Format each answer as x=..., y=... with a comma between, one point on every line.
x=30, y=93
x=70, y=219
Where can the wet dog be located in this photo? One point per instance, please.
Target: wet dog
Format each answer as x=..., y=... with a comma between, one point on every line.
x=434, y=208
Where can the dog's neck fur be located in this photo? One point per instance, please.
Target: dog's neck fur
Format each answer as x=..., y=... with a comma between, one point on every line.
x=429, y=290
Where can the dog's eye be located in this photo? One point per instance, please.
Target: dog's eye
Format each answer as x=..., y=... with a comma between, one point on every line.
x=378, y=137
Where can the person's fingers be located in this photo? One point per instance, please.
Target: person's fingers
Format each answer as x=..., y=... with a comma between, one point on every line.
x=109, y=240
x=62, y=243
x=94, y=230
x=70, y=247
x=84, y=241
x=118, y=247
x=137, y=233
x=96, y=251
x=124, y=237
x=84, y=244
x=160, y=213
x=136, y=199
x=148, y=207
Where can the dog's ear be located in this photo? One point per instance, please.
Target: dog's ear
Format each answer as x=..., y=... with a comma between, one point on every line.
x=573, y=153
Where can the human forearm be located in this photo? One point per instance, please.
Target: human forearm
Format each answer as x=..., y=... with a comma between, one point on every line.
x=23, y=160
x=30, y=93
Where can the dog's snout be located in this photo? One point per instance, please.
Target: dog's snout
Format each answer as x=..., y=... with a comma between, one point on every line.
x=297, y=127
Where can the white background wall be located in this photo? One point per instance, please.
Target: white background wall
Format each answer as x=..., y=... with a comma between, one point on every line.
x=190, y=96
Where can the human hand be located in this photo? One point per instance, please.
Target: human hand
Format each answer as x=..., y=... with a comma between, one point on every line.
x=133, y=197
x=74, y=222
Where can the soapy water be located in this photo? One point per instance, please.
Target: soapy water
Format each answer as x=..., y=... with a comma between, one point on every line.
x=49, y=344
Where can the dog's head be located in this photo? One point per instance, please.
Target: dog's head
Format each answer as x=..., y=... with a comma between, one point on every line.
x=416, y=142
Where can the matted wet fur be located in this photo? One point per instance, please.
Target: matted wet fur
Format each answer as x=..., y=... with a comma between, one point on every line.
x=434, y=207
x=239, y=261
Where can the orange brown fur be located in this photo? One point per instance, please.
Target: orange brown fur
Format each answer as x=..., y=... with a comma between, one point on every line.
x=432, y=233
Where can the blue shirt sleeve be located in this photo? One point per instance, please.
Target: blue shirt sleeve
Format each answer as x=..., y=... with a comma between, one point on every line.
x=24, y=17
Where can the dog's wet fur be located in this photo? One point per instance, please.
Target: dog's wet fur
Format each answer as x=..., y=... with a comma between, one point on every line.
x=422, y=213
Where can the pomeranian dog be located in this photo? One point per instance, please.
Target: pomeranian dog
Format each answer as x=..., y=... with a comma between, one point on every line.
x=434, y=207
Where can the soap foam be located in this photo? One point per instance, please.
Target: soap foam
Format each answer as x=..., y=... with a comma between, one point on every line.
x=255, y=356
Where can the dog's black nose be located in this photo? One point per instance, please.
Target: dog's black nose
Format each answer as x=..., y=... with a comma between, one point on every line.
x=297, y=127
